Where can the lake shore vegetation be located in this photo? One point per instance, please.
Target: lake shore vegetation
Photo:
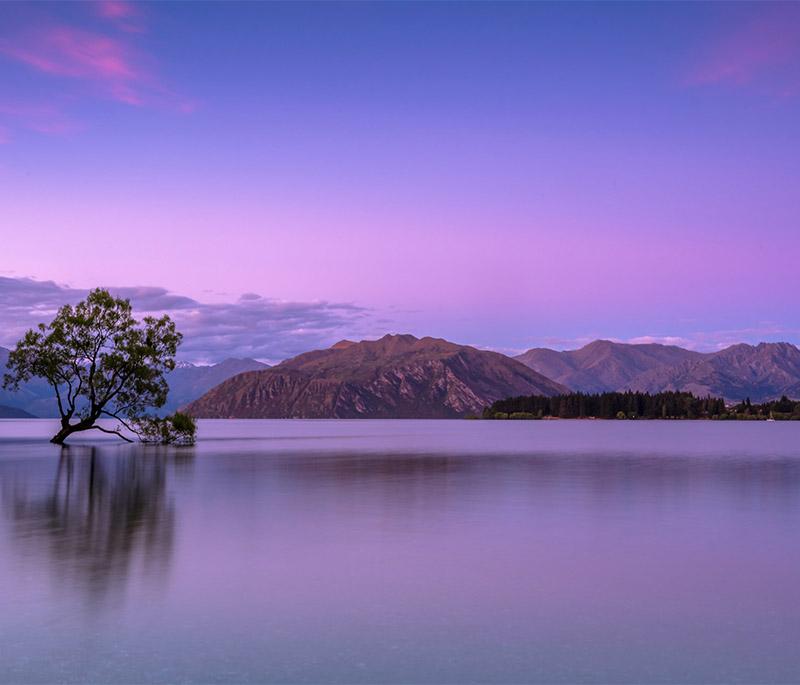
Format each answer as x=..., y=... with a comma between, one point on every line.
x=639, y=405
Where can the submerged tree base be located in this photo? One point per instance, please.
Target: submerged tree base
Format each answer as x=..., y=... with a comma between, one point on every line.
x=176, y=429
x=84, y=425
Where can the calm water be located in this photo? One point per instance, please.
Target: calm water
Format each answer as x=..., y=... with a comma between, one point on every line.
x=404, y=551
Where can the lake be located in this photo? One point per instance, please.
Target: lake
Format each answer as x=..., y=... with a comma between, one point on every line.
x=404, y=552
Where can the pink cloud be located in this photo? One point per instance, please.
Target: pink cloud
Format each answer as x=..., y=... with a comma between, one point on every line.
x=764, y=52
x=109, y=64
x=125, y=15
x=115, y=9
x=5, y=135
x=67, y=51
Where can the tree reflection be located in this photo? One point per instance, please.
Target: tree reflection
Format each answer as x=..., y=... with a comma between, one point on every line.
x=103, y=515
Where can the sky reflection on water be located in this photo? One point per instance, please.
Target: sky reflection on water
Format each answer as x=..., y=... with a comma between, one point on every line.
x=404, y=552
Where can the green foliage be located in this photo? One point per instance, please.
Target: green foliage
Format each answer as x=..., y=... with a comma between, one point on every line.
x=176, y=429
x=183, y=423
x=783, y=409
x=524, y=415
x=99, y=360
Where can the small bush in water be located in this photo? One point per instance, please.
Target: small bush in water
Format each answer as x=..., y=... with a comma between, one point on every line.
x=176, y=429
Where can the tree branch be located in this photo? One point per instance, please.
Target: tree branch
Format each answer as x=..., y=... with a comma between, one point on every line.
x=61, y=411
x=112, y=394
x=105, y=430
x=122, y=421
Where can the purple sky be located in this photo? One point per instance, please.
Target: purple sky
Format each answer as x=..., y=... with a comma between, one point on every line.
x=504, y=175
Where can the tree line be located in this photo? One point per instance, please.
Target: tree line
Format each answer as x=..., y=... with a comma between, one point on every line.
x=636, y=405
x=783, y=409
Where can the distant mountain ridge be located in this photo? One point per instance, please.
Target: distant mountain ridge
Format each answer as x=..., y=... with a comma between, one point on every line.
x=34, y=397
x=761, y=372
x=603, y=365
x=14, y=413
x=186, y=383
x=398, y=376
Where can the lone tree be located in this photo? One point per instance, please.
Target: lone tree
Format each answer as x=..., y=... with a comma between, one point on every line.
x=100, y=361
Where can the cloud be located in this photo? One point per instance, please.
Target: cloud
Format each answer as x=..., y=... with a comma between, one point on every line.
x=272, y=330
x=711, y=341
x=115, y=9
x=263, y=328
x=107, y=62
x=700, y=341
x=124, y=15
x=762, y=53
x=678, y=340
x=90, y=57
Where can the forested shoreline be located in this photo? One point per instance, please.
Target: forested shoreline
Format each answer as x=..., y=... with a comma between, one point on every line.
x=639, y=405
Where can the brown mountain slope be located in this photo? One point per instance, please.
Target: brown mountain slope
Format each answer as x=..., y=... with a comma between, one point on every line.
x=398, y=376
x=604, y=365
x=761, y=372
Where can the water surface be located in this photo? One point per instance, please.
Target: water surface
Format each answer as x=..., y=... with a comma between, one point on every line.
x=404, y=551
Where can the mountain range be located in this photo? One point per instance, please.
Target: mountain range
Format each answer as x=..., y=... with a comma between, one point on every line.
x=14, y=413
x=761, y=372
x=186, y=382
x=398, y=376
x=404, y=376
x=603, y=365
x=34, y=397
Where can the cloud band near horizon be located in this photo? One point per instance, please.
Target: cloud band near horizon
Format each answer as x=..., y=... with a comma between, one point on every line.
x=253, y=326
x=272, y=330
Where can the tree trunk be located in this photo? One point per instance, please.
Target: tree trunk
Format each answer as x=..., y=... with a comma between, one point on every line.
x=59, y=437
x=68, y=429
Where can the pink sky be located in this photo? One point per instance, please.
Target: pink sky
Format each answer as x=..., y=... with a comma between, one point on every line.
x=504, y=178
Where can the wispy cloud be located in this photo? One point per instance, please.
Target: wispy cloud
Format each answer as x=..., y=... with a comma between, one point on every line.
x=252, y=326
x=762, y=53
x=90, y=54
x=124, y=15
x=711, y=341
x=678, y=340
x=700, y=341
x=106, y=62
